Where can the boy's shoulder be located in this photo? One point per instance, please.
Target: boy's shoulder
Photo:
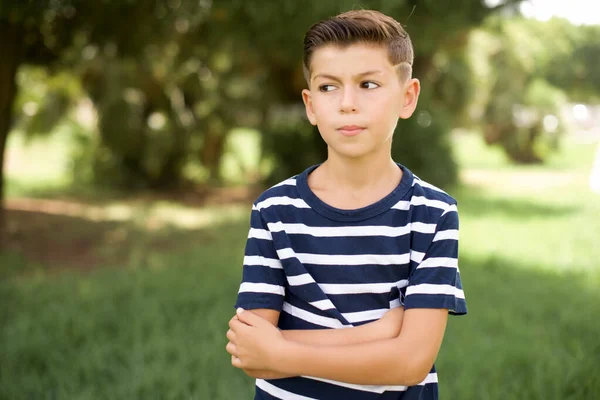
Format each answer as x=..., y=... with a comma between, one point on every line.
x=284, y=189
x=431, y=204
x=424, y=189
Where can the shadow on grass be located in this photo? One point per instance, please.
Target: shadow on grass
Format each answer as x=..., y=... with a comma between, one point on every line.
x=475, y=201
x=192, y=195
x=63, y=236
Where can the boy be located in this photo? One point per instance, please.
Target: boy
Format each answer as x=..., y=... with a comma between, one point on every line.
x=357, y=242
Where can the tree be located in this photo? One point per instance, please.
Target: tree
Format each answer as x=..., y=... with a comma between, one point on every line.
x=577, y=53
x=53, y=33
x=526, y=70
x=21, y=27
x=194, y=70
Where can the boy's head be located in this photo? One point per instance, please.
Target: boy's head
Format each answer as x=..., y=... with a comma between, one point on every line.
x=358, y=66
x=360, y=26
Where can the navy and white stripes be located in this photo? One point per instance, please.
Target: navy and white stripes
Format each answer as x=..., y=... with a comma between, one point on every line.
x=324, y=267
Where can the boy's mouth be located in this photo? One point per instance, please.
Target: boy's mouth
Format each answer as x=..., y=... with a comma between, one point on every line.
x=351, y=130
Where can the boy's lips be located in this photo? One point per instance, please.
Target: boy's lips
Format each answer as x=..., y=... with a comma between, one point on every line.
x=351, y=130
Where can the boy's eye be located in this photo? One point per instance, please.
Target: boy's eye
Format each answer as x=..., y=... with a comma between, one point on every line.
x=326, y=88
x=369, y=85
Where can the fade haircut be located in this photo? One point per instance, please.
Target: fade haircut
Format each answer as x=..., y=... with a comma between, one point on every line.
x=361, y=26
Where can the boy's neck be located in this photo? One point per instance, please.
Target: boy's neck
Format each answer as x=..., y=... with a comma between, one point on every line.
x=359, y=174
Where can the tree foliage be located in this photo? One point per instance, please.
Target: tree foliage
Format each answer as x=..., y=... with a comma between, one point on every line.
x=170, y=79
x=526, y=71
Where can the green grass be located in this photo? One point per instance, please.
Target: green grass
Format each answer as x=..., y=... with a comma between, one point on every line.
x=154, y=332
x=530, y=265
x=154, y=329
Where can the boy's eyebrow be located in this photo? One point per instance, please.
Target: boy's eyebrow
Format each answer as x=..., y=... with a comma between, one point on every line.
x=335, y=78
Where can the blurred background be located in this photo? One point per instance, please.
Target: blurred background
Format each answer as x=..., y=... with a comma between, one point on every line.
x=134, y=136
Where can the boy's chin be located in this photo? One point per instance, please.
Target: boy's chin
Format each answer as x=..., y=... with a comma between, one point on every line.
x=351, y=153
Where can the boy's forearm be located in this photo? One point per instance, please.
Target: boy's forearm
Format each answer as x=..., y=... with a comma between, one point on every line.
x=386, y=327
x=328, y=337
x=383, y=362
x=341, y=337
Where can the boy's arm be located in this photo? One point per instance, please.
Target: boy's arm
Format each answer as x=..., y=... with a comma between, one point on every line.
x=272, y=317
x=263, y=289
x=386, y=327
x=434, y=290
x=384, y=362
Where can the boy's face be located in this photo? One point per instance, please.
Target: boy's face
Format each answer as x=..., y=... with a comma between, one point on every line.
x=355, y=98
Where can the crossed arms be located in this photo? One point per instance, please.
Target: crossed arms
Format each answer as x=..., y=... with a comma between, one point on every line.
x=398, y=349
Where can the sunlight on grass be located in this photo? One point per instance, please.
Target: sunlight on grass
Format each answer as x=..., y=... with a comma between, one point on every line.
x=158, y=213
x=38, y=163
x=188, y=218
x=471, y=152
x=547, y=217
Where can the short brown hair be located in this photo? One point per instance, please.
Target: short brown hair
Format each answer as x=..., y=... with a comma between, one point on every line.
x=360, y=26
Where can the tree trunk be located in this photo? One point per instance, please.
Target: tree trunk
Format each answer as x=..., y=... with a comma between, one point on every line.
x=213, y=147
x=10, y=56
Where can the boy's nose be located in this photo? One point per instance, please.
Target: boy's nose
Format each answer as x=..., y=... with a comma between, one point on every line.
x=348, y=104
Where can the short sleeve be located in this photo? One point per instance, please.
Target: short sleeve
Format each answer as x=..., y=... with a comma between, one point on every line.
x=435, y=282
x=263, y=279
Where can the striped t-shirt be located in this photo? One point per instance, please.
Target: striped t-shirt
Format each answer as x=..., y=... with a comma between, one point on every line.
x=324, y=267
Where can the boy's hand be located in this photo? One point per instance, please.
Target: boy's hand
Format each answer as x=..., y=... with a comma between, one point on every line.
x=254, y=343
x=391, y=322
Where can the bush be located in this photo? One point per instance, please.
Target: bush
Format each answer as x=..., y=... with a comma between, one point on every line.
x=422, y=144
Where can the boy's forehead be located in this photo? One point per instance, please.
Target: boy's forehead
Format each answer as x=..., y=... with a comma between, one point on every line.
x=354, y=58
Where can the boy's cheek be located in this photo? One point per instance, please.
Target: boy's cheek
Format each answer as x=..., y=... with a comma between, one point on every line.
x=310, y=113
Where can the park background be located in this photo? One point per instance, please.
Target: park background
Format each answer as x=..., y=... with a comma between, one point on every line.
x=134, y=136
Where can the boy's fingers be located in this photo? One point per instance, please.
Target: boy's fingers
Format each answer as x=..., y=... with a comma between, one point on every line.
x=235, y=320
x=231, y=335
x=249, y=318
x=231, y=349
x=236, y=362
x=236, y=325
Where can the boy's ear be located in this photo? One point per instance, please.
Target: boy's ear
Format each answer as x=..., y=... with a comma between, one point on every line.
x=412, y=88
x=308, y=104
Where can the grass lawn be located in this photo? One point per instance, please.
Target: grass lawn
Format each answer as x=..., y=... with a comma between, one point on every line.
x=151, y=325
